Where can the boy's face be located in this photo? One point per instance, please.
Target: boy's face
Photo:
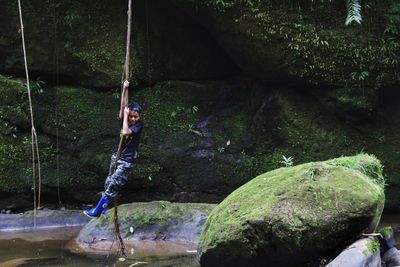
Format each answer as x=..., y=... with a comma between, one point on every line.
x=133, y=117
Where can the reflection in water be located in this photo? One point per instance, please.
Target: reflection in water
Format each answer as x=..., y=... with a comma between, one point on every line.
x=18, y=252
x=48, y=248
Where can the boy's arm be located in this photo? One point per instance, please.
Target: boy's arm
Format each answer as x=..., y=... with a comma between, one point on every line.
x=124, y=97
x=125, y=127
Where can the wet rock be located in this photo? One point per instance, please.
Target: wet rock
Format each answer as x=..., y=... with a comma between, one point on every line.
x=362, y=253
x=201, y=154
x=391, y=258
x=43, y=219
x=292, y=215
x=178, y=223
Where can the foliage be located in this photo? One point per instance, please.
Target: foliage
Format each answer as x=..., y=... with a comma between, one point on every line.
x=353, y=7
x=287, y=161
x=372, y=247
x=386, y=232
x=14, y=154
x=353, y=11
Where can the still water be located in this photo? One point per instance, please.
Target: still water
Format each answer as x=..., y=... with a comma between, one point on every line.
x=48, y=247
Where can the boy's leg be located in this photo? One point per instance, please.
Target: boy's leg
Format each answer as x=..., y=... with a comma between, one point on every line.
x=118, y=179
x=113, y=184
x=110, y=172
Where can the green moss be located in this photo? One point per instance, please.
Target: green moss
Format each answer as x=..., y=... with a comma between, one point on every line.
x=387, y=232
x=74, y=111
x=364, y=163
x=78, y=35
x=14, y=144
x=13, y=103
x=372, y=247
x=168, y=107
x=170, y=110
x=160, y=213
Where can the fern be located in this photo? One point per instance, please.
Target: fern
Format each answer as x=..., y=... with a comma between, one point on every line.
x=353, y=11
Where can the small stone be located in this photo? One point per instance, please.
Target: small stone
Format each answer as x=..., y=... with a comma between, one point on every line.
x=121, y=259
x=8, y=211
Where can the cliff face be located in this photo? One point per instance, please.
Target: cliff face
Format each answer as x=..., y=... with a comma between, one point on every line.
x=272, y=41
x=84, y=43
x=288, y=79
x=284, y=42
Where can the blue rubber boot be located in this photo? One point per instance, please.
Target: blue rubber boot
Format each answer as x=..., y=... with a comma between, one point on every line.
x=100, y=208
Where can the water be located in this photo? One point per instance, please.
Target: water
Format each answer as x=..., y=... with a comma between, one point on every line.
x=47, y=247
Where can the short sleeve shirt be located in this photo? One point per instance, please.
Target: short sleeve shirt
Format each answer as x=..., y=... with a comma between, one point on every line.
x=131, y=145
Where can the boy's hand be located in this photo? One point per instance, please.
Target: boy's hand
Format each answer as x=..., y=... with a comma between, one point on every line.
x=126, y=112
x=126, y=84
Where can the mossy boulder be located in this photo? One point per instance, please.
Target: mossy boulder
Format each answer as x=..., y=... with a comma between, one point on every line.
x=291, y=215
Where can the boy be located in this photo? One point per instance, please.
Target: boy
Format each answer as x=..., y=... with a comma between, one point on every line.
x=131, y=128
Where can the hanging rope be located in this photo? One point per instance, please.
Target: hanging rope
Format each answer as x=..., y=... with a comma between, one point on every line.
x=34, y=140
x=57, y=99
x=117, y=234
x=148, y=47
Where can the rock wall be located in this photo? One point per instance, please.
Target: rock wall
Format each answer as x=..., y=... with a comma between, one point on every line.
x=84, y=43
x=305, y=87
x=284, y=42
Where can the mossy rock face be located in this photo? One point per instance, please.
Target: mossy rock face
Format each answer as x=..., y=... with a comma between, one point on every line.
x=278, y=40
x=14, y=136
x=291, y=215
x=84, y=43
x=78, y=129
x=201, y=141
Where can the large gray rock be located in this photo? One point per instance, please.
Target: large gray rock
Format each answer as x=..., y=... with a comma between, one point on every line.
x=392, y=257
x=180, y=224
x=289, y=216
x=364, y=252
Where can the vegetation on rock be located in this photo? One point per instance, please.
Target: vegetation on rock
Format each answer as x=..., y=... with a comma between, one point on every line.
x=300, y=211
